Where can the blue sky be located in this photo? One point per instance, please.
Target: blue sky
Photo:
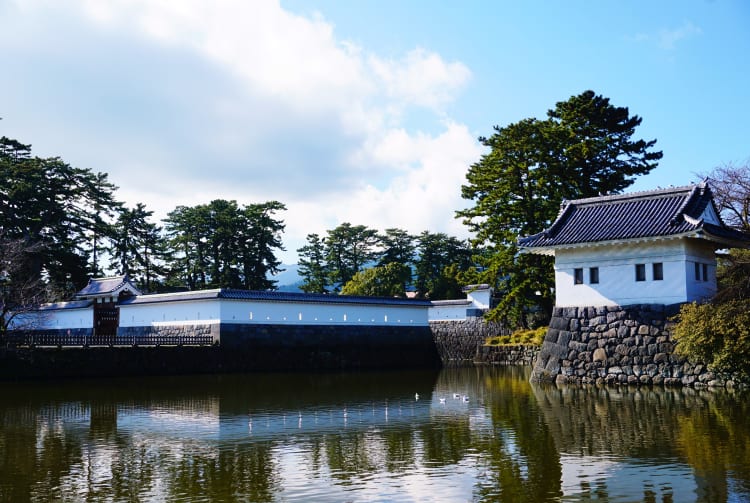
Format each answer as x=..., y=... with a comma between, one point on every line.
x=358, y=111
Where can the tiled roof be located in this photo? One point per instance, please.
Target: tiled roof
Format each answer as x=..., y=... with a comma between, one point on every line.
x=657, y=213
x=273, y=296
x=103, y=286
x=172, y=297
x=74, y=304
x=318, y=297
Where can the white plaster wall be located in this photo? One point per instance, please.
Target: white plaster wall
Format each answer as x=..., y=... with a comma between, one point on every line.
x=617, y=285
x=702, y=253
x=448, y=312
x=263, y=312
x=167, y=313
x=480, y=298
x=55, y=319
x=309, y=313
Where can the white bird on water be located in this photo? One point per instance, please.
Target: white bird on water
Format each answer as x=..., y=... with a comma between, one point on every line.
x=416, y=396
x=465, y=398
x=442, y=400
x=456, y=396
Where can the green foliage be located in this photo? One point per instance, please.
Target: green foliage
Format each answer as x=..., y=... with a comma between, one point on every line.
x=437, y=264
x=582, y=149
x=312, y=265
x=383, y=281
x=138, y=248
x=349, y=248
x=717, y=334
x=440, y=259
x=59, y=211
x=223, y=245
x=533, y=337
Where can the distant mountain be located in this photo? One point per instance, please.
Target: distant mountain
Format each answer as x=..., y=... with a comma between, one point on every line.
x=289, y=279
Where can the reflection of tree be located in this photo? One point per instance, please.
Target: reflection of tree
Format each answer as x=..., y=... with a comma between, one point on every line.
x=448, y=443
x=399, y=449
x=34, y=461
x=524, y=460
x=715, y=437
x=349, y=455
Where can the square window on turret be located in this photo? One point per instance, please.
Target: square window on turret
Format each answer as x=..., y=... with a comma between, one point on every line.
x=640, y=272
x=658, y=271
x=593, y=275
x=578, y=276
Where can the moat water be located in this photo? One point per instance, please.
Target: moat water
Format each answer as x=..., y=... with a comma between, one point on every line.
x=369, y=437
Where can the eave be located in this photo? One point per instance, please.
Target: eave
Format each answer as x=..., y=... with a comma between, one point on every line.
x=550, y=250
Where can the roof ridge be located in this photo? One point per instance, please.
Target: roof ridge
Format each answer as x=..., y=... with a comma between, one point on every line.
x=633, y=195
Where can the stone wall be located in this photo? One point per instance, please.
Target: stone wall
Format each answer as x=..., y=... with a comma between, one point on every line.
x=507, y=355
x=458, y=341
x=618, y=345
x=171, y=331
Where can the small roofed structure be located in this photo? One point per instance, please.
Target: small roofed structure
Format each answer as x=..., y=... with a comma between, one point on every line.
x=111, y=288
x=106, y=294
x=653, y=247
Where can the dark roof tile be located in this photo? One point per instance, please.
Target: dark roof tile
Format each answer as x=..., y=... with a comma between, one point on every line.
x=654, y=213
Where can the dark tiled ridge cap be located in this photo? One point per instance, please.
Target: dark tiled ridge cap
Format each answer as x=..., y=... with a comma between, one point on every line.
x=614, y=198
x=274, y=296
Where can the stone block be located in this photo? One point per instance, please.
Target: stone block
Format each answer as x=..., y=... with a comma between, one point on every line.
x=559, y=323
x=644, y=330
x=598, y=320
x=622, y=349
x=600, y=355
x=552, y=334
x=563, y=338
x=688, y=380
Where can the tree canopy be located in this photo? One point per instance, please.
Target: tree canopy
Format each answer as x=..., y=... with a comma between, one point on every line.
x=221, y=244
x=355, y=259
x=584, y=148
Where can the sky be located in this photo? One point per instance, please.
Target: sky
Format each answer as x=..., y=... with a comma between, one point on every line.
x=365, y=111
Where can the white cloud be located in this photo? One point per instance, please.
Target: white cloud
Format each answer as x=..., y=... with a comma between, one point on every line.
x=422, y=78
x=668, y=38
x=183, y=102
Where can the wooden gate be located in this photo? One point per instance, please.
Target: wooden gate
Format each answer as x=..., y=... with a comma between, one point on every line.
x=106, y=318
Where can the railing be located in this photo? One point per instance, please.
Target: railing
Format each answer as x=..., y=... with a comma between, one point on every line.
x=79, y=340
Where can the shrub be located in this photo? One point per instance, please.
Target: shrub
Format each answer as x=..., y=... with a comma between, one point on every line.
x=524, y=337
x=717, y=334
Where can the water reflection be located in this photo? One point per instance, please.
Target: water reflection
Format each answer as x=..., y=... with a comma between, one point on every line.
x=462, y=434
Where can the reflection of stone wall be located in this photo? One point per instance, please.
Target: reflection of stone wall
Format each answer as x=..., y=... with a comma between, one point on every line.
x=507, y=355
x=458, y=341
x=625, y=421
x=617, y=345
